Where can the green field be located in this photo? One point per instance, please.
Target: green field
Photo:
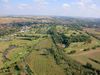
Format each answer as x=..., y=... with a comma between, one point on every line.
x=44, y=50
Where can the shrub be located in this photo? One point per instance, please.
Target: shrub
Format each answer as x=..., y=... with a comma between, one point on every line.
x=17, y=68
x=98, y=46
x=65, y=40
x=94, y=47
x=72, y=52
x=88, y=65
x=86, y=49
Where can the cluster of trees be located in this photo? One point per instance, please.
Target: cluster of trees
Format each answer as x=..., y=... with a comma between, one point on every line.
x=75, y=26
x=59, y=37
x=10, y=28
x=79, y=38
x=70, y=66
x=62, y=38
x=7, y=31
x=65, y=40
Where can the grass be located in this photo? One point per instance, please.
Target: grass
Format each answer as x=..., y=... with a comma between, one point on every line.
x=31, y=50
x=17, y=53
x=94, y=31
x=23, y=47
x=79, y=46
x=1, y=63
x=83, y=57
x=4, y=45
x=44, y=44
x=43, y=65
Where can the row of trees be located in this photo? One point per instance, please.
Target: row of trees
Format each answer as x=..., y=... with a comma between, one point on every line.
x=79, y=38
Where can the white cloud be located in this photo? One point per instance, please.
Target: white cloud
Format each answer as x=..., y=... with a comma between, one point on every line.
x=93, y=6
x=65, y=5
x=5, y=1
x=24, y=6
x=6, y=5
x=86, y=1
x=41, y=4
x=86, y=8
x=86, y=4
x=39, y=0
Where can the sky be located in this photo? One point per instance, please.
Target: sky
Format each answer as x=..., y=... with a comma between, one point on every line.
x=74, y=8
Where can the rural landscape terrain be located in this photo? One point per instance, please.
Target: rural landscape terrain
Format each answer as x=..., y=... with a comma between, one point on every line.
x=49, y=45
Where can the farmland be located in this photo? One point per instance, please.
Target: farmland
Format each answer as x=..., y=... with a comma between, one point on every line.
x=43, y=46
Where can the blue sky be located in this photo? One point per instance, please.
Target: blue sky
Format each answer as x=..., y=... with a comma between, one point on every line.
x=81, y=8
